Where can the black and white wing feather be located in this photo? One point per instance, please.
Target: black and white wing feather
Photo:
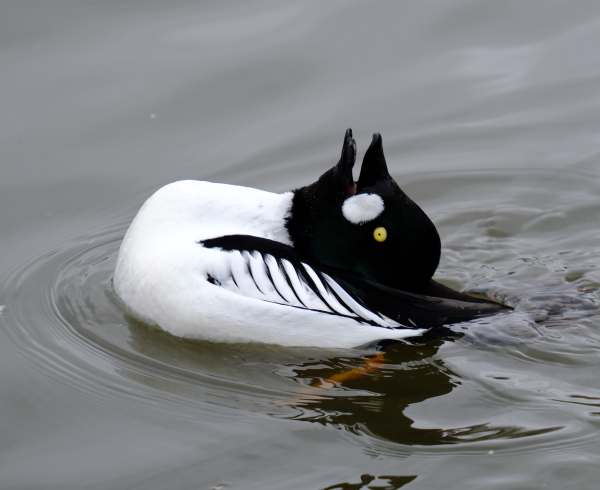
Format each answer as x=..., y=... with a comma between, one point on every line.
x=264, y=276
x=271, y=271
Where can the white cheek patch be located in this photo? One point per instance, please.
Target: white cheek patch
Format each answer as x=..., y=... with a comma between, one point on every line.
x=361, y=208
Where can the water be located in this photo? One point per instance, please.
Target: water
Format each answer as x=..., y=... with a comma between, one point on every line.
x=491, y=120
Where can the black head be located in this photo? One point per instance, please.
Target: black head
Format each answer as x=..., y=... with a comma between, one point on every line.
x=370, y=228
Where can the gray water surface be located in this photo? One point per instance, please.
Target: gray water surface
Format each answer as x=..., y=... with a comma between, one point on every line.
x=490, y=113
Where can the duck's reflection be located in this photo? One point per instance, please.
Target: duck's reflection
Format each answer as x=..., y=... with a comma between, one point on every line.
x=370, y=395
x=374, y=397
x=371, y=482
x=362, y=394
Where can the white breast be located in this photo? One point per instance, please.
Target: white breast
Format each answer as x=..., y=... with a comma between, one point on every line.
x=162, y=273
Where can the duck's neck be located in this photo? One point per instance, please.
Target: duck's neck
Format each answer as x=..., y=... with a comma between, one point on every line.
x=309, y=225
x=300, y=221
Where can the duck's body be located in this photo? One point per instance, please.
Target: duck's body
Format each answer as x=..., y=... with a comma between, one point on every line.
x=167, y=277
x=236, y=264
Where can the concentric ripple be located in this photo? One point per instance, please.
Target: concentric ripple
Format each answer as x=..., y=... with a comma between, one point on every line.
x=506, y=383
x=63, y=314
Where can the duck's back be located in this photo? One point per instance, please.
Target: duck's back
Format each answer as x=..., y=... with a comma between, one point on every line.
x=206, y=209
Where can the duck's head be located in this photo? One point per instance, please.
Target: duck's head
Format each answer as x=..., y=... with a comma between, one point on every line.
x=370, y=228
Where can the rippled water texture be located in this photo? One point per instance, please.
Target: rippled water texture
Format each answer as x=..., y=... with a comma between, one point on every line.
x=490, y=113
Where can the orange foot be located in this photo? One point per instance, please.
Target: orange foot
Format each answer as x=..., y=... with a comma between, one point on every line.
x=369, y=365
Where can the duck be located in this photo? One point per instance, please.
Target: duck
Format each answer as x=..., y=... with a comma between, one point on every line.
x=338, y=263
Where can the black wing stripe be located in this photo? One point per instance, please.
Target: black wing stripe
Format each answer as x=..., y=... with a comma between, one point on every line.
x=308, y=280
x=288, y=280
x=280, y=281
x=324, y=292
x=240, y=272
x=303, y=290
x=356, y=307
x=355, y=318
x=233, y=278
x=246, y=256
x=334, y=294
x=270, y=277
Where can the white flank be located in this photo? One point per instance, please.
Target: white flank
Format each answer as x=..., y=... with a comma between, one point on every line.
x=362, y=208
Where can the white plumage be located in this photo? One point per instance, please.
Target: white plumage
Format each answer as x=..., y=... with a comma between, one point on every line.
x=165, y=277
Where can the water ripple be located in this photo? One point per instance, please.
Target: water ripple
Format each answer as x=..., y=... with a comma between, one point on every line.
x=432, y=395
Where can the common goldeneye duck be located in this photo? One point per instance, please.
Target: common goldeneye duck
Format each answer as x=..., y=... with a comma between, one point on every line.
x=337, y=263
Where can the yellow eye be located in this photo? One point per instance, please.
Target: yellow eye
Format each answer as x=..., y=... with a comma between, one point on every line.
x=380, y=234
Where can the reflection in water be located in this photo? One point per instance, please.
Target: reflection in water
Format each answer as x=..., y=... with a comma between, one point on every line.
x=376, y=401
x=353, y=391
x=360, y=394
x=371, y=482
